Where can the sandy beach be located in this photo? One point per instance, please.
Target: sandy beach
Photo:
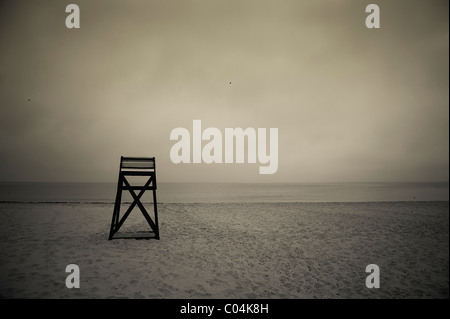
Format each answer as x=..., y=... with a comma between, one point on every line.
x=245, y=250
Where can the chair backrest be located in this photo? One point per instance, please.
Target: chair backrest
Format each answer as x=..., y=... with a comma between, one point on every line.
x=137, y=163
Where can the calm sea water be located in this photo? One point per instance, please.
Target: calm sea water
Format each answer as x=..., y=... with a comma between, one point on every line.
x=236, y=193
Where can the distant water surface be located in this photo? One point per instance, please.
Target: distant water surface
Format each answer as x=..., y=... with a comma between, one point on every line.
x=236, y=193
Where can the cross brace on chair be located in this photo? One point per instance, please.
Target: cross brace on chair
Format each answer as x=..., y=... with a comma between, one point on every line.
x=135, y=166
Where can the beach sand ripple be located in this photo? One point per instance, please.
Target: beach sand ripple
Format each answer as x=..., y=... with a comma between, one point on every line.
x=225, y=250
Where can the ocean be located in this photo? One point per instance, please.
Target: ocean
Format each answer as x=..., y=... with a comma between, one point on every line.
x=227, y=192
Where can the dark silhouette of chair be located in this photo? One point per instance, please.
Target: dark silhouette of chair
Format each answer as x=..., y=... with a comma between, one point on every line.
x=135, y=166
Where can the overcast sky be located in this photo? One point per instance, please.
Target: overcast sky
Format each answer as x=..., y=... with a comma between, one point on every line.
x=350, y=103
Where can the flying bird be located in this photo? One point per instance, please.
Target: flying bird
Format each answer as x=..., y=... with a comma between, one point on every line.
x=28, y=100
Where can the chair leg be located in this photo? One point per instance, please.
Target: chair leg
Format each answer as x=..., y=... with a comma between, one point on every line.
x=116, y=212
x=116, y=224
x=113, y=225
x=155, y=208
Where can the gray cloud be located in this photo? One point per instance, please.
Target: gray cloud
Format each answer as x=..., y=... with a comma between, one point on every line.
x=350, y=103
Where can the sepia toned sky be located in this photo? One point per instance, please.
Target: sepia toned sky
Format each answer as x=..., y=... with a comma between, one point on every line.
x=350, y=103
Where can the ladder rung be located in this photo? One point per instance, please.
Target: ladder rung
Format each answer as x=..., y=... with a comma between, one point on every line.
x=137, y=187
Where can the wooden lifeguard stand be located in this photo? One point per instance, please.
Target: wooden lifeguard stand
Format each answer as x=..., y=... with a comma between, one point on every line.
x=135, y=166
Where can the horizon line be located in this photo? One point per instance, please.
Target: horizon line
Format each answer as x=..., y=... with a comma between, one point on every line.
x=206, y=182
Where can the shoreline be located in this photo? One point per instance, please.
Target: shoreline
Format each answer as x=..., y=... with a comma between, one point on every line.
x=223, y=202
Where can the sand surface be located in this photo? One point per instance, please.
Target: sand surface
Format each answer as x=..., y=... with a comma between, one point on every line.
x=292, y=250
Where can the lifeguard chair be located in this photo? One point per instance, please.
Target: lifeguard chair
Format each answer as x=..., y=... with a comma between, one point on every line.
x=135, y=166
